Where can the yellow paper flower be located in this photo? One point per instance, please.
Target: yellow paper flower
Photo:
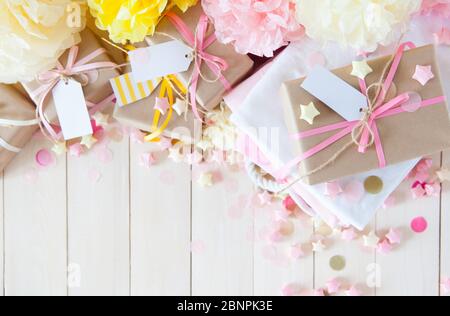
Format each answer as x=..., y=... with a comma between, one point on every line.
x=34, y=34
x=132, y=20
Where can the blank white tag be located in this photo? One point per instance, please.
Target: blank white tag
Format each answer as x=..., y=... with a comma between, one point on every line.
x=335, y=93
x=72, y=109
x=160, y=60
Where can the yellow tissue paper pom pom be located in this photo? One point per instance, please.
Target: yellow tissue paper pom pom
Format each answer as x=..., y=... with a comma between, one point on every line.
x=132, y=20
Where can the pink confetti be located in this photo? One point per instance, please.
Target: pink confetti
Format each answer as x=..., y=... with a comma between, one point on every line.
x=198, y=247
x=419, y=225
x=290, y=289
x=394, y=236
x=104, y=154
x=147, y=160
x=76, y=150
x=423, y=74
x=44, y=158
x=319, y=293
x=353, y=292
x=384, y=247
x=442, y=37
x=94, y=175
x=354, y=191
x=333, y=286
x=116, y=134
x=289, y=204
x=333, y=189
x=31, y=176
x=349, y=234
x=414, y=102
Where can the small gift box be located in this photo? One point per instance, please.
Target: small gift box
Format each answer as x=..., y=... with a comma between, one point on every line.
x=189, y=27
x=17, y=123
x=411, y=121
x=87, y=63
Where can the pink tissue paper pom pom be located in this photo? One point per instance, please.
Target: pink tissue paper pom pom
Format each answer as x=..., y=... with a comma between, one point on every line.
x=436, y=7
x=258, y=27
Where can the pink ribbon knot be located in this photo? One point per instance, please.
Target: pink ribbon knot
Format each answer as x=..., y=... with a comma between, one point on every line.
x=199, y=43
x=51, y=78
x=364, y=132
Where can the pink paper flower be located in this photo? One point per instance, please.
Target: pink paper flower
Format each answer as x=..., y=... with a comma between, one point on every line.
x=436, y=7
x=254, y=26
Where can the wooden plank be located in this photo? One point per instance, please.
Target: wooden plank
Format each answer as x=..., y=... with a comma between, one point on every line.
x=2, y=258
x=359, y=262
x=445, y=227
x=98, y=221
x=160, y=225
x=222, y=219
x=274, y=269
x=413, y=267
x=35, y=225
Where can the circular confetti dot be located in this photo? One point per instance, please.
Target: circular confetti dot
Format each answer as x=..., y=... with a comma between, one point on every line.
x=337, y=263
x=44, y=158
x=373, y=185
x=419, y=225
x=414, y=102
x=325, y=230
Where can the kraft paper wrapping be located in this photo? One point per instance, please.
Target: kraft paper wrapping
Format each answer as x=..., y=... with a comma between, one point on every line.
x=209, y=95
x=404, y=136
x=140, y=115
x=98, y=88
x=14, y=106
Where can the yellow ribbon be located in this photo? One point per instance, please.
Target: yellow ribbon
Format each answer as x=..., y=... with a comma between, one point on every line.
x=167, y=86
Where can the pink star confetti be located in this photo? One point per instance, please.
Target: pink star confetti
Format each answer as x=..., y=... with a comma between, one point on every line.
x=423, y=74
x=445, y=285
x=76, y=150
x=442, y=37
x=265, y=198
x=354, y=191
x=297, y=251
x=147, y=160
x=384, y=247
x=162, y=105
x=333, y=189
x=333, y=286
x=394, y=236
x=353, y=291
x=349, y=234
x=44, y=158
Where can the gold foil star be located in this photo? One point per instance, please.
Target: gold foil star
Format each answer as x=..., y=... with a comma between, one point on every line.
x=309, y=113
x=443, y=174
x=59, y=148
x=88, y=141
x=101, y=119
x=361, y=69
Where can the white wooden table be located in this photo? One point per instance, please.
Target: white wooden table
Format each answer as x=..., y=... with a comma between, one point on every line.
x=132, y=233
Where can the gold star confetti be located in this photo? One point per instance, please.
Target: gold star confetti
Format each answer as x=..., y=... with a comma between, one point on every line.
x=59, y=148
x=361, y=69
x=88, y=141
x=205, y=180
x=101, y=119
x=309, y=113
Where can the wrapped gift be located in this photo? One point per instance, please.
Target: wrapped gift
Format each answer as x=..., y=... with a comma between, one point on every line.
x=17, y=123
x=412, y=121
x=257, y=112
x=208, y=94
x=96, y=86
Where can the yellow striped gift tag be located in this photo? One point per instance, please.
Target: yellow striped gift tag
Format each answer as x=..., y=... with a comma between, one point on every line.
x=128, y=91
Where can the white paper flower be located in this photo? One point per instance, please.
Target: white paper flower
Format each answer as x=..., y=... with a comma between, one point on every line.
x=34, y=34
x=361, y=24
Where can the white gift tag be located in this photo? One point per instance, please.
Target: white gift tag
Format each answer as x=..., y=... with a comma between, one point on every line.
x=160, y=60
x=72, y=109
x=335, y=93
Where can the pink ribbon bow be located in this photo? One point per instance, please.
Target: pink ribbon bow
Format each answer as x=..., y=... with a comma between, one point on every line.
x=200, y=42
x=73, y=68
x=369, y=127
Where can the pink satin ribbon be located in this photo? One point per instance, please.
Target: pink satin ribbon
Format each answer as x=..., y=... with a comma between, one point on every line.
x=200, y=42
x=51, y=78
x=392, y=107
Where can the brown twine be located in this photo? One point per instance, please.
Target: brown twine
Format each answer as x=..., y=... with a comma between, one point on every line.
x=373, y=104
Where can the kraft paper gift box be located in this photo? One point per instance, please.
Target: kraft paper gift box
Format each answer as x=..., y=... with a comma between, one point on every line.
x=14, y=106
x=97, y=90
x=404, y=136
x=209, y=94
x=257, y=107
